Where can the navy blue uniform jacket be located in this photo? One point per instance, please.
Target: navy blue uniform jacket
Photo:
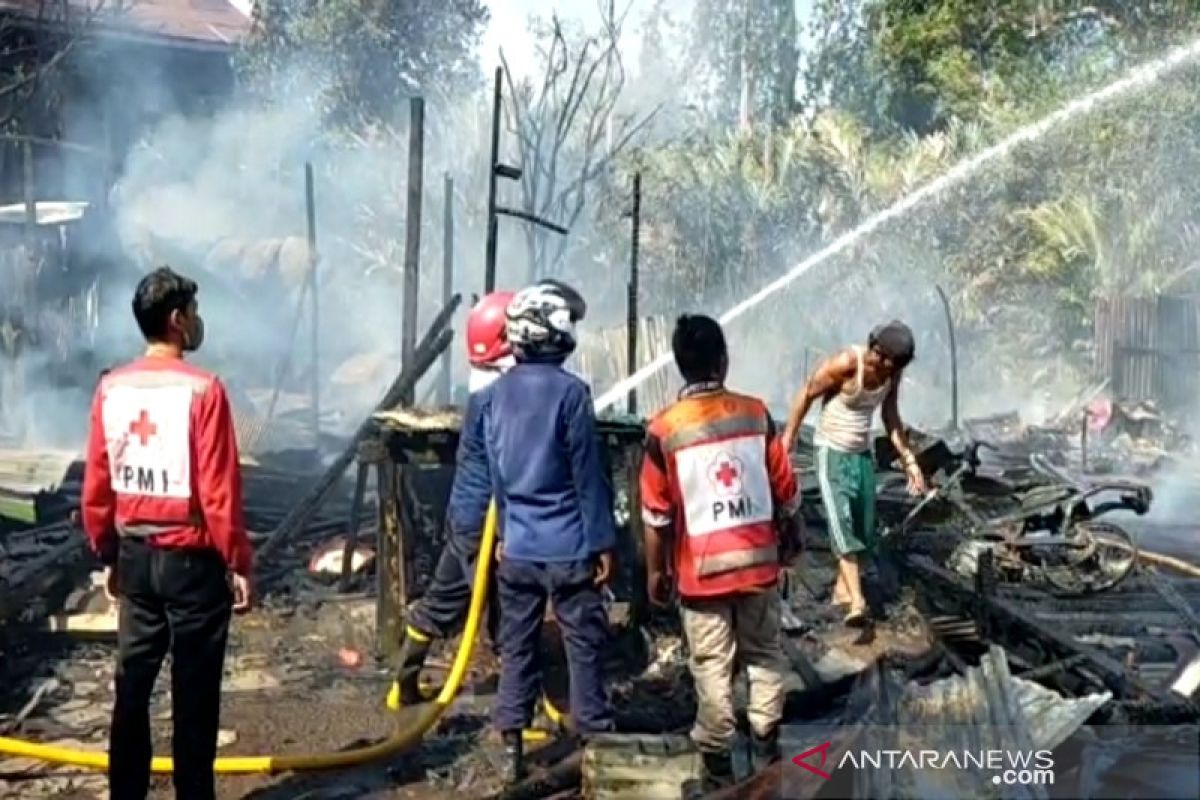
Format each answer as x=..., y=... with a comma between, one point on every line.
x=472, y=488
x=552, y=491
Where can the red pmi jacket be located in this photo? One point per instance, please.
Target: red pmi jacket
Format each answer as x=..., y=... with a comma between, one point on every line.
x=717, y=473
x=162, y=463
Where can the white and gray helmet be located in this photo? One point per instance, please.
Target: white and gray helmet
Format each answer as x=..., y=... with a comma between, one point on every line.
x=541, y=319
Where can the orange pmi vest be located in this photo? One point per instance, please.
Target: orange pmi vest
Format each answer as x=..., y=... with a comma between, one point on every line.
x=715, y=472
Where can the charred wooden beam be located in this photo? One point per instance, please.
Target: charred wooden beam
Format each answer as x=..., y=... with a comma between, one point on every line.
x=639, y=602
x=59, y=563
x=437, y=338
x=412, y=235
x=560, y=777
x=390, y=570
x=443, y=384
x=999, y=619
x=310, y=205
x=360, y=489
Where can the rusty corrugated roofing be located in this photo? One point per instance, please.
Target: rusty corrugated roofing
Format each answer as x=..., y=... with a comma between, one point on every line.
x=214, y=23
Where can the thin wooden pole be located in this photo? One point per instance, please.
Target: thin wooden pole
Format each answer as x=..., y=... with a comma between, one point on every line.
x=447, y=278
x=315, y=305
x=489, y=268
x=631, y=319
x=30, y=190
x=412, y=240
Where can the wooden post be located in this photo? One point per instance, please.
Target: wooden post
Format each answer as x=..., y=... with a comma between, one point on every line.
x=631, y=319
x=639, y=604
x=489, y=264
x=412, y=239
x=30, y=190
x=390, y=567
x=315, y=378
x=1083, y=442
x=356, y=504
x=953, y=359
x=443, y=397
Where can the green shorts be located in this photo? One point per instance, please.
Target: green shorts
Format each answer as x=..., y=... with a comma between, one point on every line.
x=847, y=482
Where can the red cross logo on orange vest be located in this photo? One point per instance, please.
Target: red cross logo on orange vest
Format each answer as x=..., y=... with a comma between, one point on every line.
x=725, y=474
x=143, y=428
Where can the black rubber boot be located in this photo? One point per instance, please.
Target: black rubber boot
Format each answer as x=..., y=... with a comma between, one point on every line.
x=408, y=675
x=514, y=756
x=718, y=771
x=765, y=750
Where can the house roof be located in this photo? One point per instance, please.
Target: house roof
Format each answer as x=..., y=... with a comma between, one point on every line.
x=207, y=24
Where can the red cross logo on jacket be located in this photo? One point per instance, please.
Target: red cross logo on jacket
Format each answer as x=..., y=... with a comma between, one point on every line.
x=725, y=474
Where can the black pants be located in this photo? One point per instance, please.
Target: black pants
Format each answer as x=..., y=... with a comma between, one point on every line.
x=442, y=610
x=524, y=587
x=177, y=599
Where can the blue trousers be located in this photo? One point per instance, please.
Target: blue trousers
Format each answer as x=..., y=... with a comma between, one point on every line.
x=442, y=610
x=525, y=587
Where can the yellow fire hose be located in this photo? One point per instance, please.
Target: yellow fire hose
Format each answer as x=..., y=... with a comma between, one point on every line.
x=403, y=738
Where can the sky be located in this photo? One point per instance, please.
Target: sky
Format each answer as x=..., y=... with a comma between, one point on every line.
x=509, y=23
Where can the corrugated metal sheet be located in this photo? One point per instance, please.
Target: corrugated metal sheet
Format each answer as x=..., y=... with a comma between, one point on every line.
x=1178, y=319
x=601, y=360
x=1149, y=348
x=970, y=699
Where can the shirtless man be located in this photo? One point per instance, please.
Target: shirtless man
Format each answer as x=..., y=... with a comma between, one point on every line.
x=851, y=385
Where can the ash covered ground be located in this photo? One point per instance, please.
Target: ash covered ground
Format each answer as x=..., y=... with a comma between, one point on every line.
x=287, y=690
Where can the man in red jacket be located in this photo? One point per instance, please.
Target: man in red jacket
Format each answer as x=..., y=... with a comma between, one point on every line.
x=162, y=507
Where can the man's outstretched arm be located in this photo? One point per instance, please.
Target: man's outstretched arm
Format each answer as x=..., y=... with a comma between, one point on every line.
x=899, y=437
x=825, y=381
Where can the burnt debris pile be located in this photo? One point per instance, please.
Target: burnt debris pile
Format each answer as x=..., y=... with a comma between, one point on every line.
x=1032, y=581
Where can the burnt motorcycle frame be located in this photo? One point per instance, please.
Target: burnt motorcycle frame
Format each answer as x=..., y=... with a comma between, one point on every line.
x=1055, y=537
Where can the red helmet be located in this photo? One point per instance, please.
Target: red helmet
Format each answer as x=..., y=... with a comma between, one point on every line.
x=486, y=340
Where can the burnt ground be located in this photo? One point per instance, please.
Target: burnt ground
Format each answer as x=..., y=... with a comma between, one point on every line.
x=287, y=691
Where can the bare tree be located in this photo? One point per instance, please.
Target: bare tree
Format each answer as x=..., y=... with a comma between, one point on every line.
x=567, y=128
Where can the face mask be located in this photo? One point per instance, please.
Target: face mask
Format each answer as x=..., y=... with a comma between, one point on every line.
x=194, y=338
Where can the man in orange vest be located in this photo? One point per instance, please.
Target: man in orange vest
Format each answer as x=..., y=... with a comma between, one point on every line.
x=717, y=484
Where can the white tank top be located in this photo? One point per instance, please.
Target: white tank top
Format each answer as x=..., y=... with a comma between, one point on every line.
x=845, y=422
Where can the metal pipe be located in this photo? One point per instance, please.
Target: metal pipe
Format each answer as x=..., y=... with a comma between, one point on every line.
x=489, y=264
x=631, y=319
x=953, y=359
x=447, y=278
x=315, y=378
x=412, y=236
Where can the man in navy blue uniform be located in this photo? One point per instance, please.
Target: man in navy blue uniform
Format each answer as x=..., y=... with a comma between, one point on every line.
x=442, y=611
x=556, y=522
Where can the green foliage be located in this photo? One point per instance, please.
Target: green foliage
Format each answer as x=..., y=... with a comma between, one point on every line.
x=356, y=60
x=744, y=60
x=897, y=93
